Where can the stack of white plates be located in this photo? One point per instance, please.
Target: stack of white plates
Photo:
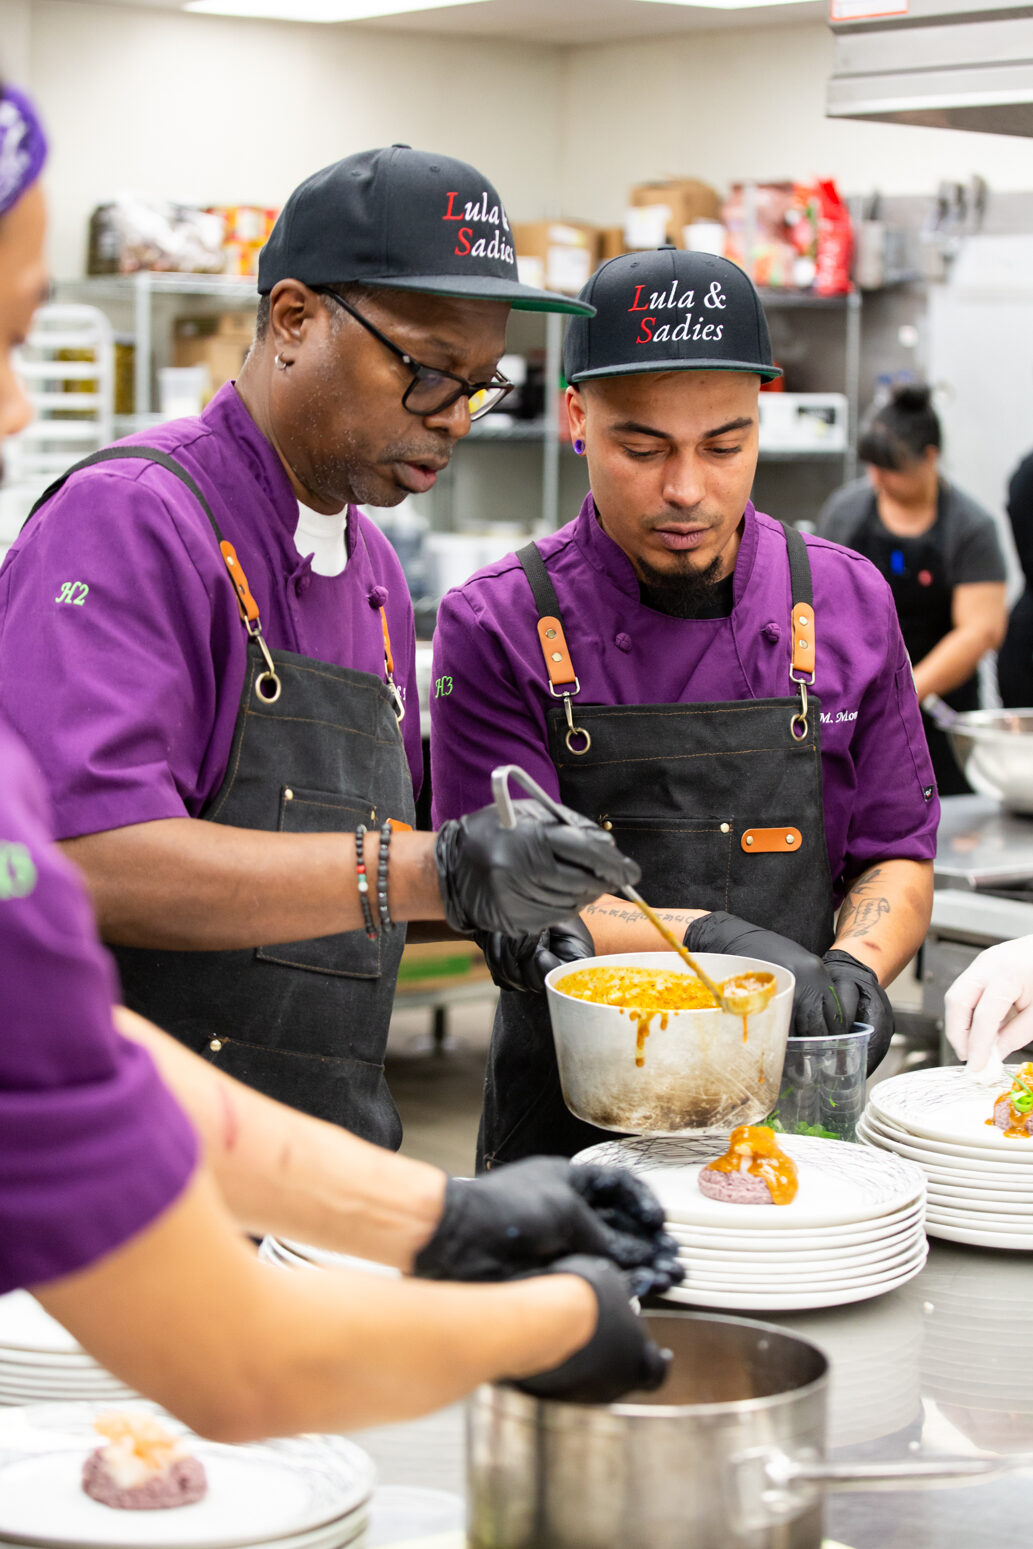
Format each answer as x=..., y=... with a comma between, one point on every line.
x=980, y=1185
x=40, y=1361
x=853, y=1231
x=309, y=1493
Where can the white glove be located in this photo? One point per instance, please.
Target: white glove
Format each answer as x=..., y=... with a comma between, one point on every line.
x=990, y=1006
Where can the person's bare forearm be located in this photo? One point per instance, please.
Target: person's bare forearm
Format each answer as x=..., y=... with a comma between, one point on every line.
x=885, y=915
x=184, y=884
x=617, y=926
x=185, y=1314
x=283, y=1172
x=952, y=661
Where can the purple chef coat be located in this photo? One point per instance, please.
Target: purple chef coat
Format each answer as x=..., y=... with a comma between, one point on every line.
x=121, y=647
x=92, y=1146
x=491, y=693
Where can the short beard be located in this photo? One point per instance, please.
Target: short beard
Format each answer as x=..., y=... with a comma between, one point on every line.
x=683, y=593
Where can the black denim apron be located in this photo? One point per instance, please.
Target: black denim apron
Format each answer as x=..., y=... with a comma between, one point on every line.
x=316, y=749
x=916, y=571
x=721, y=806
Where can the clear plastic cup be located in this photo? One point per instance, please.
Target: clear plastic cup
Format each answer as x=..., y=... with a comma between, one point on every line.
x=823, y=1085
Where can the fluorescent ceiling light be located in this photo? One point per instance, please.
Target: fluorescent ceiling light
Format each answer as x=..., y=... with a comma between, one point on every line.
x=319, y=10
x=724, y=5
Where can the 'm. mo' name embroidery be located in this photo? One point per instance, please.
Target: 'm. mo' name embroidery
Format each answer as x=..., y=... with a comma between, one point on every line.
x=673, y=299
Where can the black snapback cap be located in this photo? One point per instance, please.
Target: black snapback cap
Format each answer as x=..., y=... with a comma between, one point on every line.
x=668, y=310
x=401, y=219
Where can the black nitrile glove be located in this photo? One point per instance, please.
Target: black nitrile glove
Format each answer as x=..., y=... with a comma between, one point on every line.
x=519, y=880
x=863, y=1000
x=816, y=1011
x=522, y=962
x=518, y=1219
x=620, y=1356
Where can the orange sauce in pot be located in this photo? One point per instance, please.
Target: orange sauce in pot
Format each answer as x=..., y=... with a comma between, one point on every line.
x=752, y=1148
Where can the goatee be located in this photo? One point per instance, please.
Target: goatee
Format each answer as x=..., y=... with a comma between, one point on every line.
x=683, y=593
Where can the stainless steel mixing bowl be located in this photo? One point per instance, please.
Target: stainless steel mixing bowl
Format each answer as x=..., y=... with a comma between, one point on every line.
x=994, y=750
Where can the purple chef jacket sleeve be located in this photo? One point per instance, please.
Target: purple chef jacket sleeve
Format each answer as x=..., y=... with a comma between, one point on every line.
x=895, y=810
x=107, y=653
x=479, y=718
x=92, y=1145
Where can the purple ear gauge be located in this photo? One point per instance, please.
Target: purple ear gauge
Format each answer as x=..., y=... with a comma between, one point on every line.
x=579, y=446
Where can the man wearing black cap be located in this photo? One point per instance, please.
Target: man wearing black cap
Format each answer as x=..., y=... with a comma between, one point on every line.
x=733, y=702
x=222, y=696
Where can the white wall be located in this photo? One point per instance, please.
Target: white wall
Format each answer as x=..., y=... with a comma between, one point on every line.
x=744, y=103
x=215, y=110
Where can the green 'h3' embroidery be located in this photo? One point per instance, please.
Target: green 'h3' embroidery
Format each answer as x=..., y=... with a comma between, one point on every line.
x=442, y=688
x=73, y=592
x=17, y=871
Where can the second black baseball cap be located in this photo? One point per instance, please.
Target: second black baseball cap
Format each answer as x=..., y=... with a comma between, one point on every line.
x=401, y=219
x=669, y=310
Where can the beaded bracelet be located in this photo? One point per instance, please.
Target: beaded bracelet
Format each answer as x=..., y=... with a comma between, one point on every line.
x=386, y=921
x=363, y=881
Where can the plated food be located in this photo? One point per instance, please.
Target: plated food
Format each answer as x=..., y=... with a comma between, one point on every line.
x=141, y=1466
x=753, y=1171
x=1013, y=1110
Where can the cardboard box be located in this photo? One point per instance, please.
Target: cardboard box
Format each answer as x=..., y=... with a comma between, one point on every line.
x=559, y=255
x=659, y=212
x=219, y=342
x=611, y=243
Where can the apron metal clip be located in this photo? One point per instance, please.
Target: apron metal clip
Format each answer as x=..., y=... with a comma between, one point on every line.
x=572, y=730
x=267, y=684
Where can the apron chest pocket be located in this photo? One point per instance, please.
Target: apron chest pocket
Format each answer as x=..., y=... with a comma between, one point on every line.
x=686, y=861
x=351, y=954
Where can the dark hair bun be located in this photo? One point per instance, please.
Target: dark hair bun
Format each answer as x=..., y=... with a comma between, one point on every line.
x=913, y=397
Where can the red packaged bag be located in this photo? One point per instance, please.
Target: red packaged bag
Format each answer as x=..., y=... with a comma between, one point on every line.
x=835, y=241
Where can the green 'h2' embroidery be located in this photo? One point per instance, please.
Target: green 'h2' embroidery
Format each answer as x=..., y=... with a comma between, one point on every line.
x=74, y=592
x=17, y=871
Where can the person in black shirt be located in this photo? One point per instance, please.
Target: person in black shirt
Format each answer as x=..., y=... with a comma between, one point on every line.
x=938, y=550
x=1015, y=658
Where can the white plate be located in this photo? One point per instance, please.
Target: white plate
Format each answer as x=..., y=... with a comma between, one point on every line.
x=765, y=1284
x=947, y=1106
x=25, y=1326
x=796, y=1301
x=951, y=1156
x=840, y=1184
x=814, y=1237
x=999, y=1224
x=832, y=1252
x=270, y=1492
x=976, y=1204
x=977, y=1238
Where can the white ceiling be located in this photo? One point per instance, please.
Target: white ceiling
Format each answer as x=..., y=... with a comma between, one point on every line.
x=565, y=21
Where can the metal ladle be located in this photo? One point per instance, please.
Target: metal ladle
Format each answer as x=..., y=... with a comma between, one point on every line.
x=738, y=997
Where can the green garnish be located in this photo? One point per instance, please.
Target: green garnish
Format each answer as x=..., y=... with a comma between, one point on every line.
x=1024, y=1102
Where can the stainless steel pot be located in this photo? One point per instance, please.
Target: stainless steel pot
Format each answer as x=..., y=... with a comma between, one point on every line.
x=727, y=1455
x=701, y=1072
x=993, y=749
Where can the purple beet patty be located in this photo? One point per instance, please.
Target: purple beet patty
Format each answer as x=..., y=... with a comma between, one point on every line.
x=181, y=1484
x=735, y=1188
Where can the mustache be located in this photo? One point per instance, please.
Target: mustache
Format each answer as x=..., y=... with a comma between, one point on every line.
x=438, y=456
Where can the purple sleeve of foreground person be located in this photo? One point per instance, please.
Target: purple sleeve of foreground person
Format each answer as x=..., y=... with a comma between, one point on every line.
x=490, y=721
x=92, y=1145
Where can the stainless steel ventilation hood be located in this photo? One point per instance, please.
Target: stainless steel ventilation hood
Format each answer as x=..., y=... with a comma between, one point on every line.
x=945, y=65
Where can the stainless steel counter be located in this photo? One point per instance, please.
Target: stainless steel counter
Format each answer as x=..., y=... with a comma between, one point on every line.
x=944, y=1365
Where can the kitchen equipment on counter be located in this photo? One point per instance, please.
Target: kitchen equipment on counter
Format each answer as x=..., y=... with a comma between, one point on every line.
x=853, y=1231
x=309, y=1492
x=993, y=749
x=726, y=1455
x=40, y=1361
x=701, y=1072
x=979, y=1184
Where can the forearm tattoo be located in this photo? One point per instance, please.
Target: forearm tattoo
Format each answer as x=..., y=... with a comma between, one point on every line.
x=630, y=915
x=864, y=906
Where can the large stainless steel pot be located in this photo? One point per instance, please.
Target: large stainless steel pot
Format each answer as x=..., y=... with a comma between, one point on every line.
x=702, y=1072
x=994, y=751
x=727, y=1455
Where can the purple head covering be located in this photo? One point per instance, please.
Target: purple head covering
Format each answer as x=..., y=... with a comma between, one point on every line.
x=23, y=146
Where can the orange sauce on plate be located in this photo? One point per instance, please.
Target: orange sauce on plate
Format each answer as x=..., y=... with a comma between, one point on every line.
x=752, y=1148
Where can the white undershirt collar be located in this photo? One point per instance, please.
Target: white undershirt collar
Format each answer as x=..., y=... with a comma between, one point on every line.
x=324, y=538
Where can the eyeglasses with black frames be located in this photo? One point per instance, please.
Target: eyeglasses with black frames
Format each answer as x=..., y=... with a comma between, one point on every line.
x=431, y=390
